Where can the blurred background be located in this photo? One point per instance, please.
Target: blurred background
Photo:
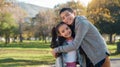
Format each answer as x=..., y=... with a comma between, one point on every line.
x=25, y=28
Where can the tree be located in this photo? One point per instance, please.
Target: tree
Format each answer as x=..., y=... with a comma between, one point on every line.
x=44, y=21
x=7, y=23
x=115, y=13
x=16, y=12
x=28, y=30
x=2, y=4
x=104, y=15
x=14, y=32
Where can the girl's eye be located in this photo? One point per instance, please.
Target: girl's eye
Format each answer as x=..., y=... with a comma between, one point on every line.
x=62, y=31
x=67, y=28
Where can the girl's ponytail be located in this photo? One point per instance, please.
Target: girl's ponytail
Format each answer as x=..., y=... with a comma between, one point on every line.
x=54, y=42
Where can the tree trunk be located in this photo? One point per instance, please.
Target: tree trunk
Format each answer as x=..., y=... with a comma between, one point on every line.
x=114, y=39
x=21, y=40
x=7, y=39
x=44, y=38
x=14, y=38
x=20, y=32
x=110, y=39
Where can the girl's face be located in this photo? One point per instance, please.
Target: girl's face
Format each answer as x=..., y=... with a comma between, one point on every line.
x=64, y=31
x=67, y=17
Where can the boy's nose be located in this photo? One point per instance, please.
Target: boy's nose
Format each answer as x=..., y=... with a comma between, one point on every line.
x=66, y=20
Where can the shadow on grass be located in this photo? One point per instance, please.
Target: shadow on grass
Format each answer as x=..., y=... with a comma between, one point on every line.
x=10, y=62
x=26, y=45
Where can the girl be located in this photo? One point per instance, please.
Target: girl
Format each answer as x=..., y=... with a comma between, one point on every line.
x=61, y=34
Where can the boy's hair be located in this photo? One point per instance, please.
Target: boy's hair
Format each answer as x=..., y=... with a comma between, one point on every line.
x=64, y=9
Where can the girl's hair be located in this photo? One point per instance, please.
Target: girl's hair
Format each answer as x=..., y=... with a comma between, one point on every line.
x=56, y=40
x=64, y=9
x=57, y=27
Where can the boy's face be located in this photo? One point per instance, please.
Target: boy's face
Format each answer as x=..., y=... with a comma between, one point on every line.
x=65, y=31
x=67, y=17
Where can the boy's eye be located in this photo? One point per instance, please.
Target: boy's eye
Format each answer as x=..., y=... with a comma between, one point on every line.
x=67, y=14
x=63, y=18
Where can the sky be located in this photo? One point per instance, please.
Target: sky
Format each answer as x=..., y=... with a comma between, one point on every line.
x=51, y=3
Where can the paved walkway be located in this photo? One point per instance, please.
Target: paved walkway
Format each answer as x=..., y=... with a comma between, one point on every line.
x=115, y=62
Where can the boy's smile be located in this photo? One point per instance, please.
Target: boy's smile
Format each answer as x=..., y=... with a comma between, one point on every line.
x=67, y=17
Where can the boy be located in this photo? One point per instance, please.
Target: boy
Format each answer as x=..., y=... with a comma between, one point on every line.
x=87, y=39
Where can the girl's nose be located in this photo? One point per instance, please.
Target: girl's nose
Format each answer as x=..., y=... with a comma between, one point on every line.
x=66, y=32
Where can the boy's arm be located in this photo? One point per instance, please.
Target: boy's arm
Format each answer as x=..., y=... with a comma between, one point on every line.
x=81, y=29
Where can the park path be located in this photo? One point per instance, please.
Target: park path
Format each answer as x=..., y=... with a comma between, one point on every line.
x=115, y=62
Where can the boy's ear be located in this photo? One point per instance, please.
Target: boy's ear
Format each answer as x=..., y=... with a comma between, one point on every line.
x=74, y=12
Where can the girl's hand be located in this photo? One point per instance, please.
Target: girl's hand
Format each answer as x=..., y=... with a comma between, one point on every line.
x=53, y=53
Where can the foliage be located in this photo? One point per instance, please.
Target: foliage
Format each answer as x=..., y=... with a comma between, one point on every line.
x=7, y=25
x=44, y=21
x=105, y=16
x=14, y=15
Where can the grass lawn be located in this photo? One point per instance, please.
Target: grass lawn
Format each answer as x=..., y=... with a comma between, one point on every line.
x=27, y=54
x=32, y=54
x=112, y=49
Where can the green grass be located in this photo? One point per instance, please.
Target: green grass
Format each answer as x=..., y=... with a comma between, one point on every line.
x=32, y=54
x=25, y=57
x=113, y=51
x=27, y=54
x=26, y=44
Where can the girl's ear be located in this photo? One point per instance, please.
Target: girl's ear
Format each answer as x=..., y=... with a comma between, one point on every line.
x=59, y=35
